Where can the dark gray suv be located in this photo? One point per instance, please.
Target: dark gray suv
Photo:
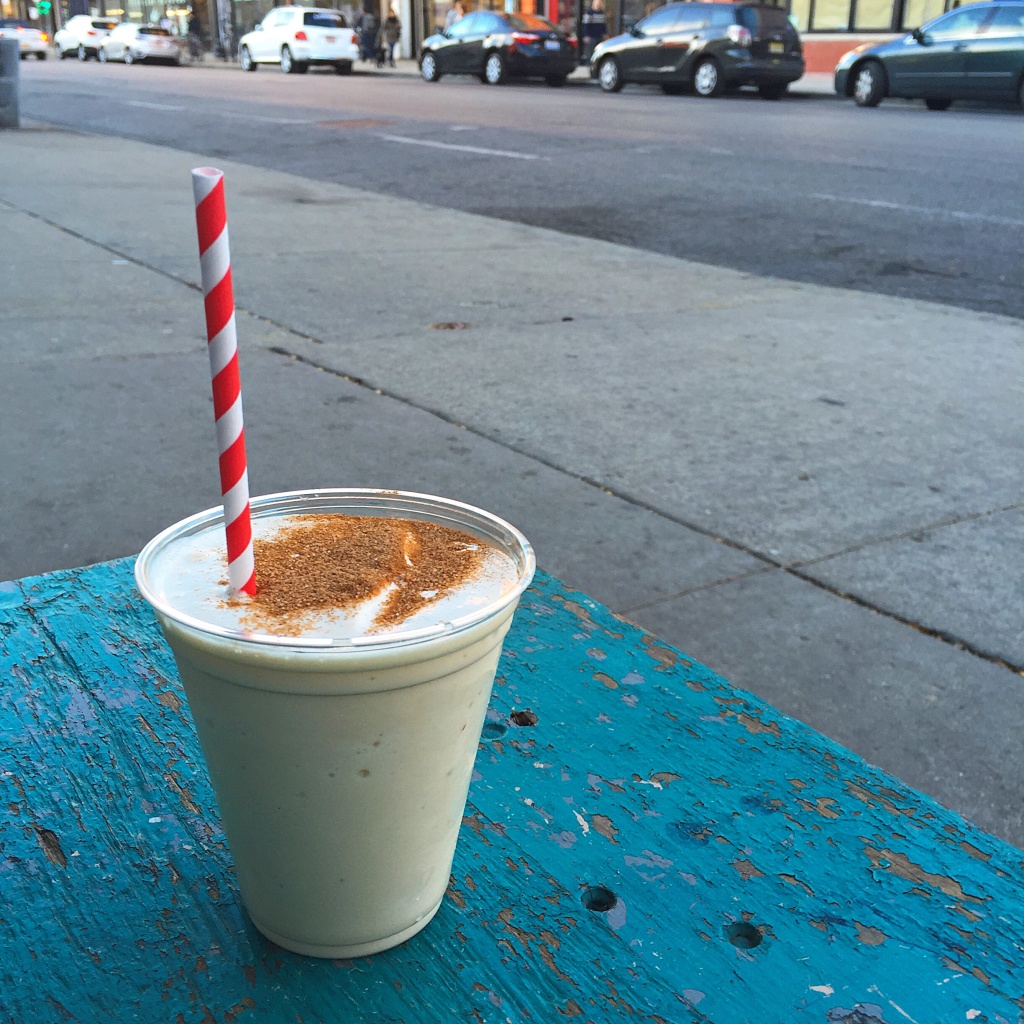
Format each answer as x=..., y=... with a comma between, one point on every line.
x=704, y=47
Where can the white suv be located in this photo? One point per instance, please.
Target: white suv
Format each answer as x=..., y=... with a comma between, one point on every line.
x=296, y=37
x=82, y=36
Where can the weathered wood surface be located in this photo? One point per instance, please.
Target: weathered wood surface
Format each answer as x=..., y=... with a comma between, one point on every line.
x=761, y=873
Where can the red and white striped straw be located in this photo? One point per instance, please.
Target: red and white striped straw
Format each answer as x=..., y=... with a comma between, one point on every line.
x=215, y=262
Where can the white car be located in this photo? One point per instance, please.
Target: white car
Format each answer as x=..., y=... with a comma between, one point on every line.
x=296, y=37
x=133, y=43
x=81, y=36
x=30, y=40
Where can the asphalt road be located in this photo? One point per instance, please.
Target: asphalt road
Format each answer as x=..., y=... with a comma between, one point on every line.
x=897, y=200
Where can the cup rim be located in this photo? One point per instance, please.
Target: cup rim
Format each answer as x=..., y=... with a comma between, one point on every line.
x=464, y=516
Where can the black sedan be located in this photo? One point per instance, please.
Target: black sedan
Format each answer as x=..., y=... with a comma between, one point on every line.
x=496, y=47
x=973, y=52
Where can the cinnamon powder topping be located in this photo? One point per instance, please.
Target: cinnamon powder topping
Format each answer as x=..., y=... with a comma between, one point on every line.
x=319, y=563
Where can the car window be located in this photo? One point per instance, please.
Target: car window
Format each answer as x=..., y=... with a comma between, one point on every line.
x=466, y=26
x=764, y=21
x=721, y=15
x=957, y=24
x=1007, y=21
x=278, y=18
x=324, y=19
x=529, y=23
x=108, y=25
x=692, y=18
x=153, y=31
x=662, y=20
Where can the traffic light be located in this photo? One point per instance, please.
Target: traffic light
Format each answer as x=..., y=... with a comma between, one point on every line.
x=43, y=6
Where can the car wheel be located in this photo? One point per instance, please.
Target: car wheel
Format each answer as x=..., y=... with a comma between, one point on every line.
x=62, y=54
x=343, y=67
x=707, y=78
x=609, y=75
x=556, y=80
x=245, y=59
x=869, y=84
x=494, y=69
x=101, y=55
x=82, y=55
x=287, y=61
x=41, y=55
x=128, y=57
x=773, y=91
x=429, y=69
x=1020, y=92
x=938, y=104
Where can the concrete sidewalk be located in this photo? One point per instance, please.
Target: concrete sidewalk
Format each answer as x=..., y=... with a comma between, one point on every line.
x=815, y=492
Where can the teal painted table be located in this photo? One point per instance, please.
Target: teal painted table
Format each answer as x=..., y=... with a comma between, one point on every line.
x=642, y=842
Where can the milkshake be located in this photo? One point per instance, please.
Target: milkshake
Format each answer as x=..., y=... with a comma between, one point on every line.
x=339, y=710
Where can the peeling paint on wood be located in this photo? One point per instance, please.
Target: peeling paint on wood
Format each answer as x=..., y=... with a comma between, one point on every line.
x=686, y=855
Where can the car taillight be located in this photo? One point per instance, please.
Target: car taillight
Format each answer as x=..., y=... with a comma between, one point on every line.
x=44, y=37
x=739, y=35
x=573, y=42
x=301, y=37
x=354, y=40
x=91, y=33
x=523, y=39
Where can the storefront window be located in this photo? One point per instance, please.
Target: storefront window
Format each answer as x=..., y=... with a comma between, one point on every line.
x=801, y=14
x=873, y=14
x=831, y=15
x=917, y=12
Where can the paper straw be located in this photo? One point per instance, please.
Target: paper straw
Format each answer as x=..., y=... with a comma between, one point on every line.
x=215, y=262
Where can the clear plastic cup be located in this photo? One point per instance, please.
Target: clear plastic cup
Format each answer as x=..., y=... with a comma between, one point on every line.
x=340, y=763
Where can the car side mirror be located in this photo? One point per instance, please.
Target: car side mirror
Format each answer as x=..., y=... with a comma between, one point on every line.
x=919, y=35
x=259, y=27
x=634, y=31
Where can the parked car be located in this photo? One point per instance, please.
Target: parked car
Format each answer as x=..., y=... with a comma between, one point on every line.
x=296, y=37
x=704, y=47
x=30, y=40
x=133, y=43
x=973, y=52
x=81, y=36
x=495, y=47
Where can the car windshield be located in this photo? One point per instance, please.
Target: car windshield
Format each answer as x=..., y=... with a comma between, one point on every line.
x=13, y=23
x=764, y=21
x=153, y=32
x=324, y=19
x=108, y=25
x=529, y=23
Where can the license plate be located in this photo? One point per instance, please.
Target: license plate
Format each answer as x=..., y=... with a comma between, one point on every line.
x=776, y=47
x=329, y=39
x=552, y=44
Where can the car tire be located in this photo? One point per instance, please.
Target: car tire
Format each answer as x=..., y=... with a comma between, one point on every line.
x=609, y=75
x=869, y=85
x=101, y=55
x=556, y=81
x=245, y=59
x=938, y=104
x=707, y=79
x=42, y=56
x=343, y=67
x=61, y=54
x=773, y=91
x=129, y=57
x=495, y=72
x=429, y=69
x=82, y=55
x=1020, y=93
x=288, y=63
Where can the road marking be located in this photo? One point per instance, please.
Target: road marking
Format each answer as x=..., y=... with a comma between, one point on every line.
x=152, y=106
x=480, y=150
x=881, y=204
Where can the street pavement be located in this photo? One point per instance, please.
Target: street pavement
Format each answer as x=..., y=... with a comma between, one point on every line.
x=815, y=492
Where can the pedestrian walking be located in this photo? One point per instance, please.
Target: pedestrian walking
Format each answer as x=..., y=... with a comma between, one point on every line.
x=390, y=34
x=595, y=28
x=369, y=26
x=456, y=12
